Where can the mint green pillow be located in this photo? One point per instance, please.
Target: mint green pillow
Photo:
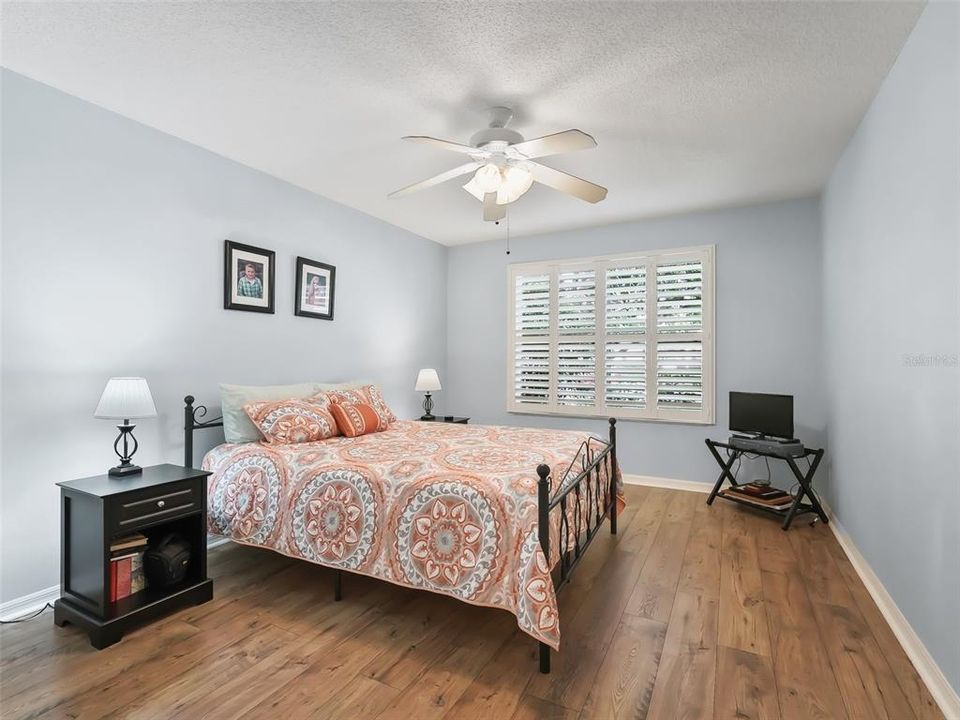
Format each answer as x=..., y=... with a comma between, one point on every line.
x=237, y=427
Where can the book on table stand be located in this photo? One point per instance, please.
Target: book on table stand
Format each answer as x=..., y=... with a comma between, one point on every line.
x=126, y=566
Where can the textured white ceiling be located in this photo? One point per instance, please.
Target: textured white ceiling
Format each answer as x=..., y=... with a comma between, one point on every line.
x=694, y=105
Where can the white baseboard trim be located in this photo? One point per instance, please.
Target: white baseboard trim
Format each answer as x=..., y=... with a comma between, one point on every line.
x=931, y=674
x=27, y=604
x=216, y=541
x=668, y=483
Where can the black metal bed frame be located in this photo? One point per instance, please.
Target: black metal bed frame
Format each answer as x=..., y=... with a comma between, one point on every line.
x=584, y=495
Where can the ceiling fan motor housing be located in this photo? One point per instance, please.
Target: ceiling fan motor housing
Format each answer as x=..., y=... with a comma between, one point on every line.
x=500, y=135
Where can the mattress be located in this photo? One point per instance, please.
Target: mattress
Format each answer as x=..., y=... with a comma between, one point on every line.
x=435, y=506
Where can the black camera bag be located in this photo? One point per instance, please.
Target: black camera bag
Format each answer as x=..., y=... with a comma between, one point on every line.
x=166, y=563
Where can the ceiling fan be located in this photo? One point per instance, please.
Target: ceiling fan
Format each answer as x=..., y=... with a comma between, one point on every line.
x=502, y=165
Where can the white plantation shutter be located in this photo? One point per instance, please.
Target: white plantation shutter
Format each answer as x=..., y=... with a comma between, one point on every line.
x=576, y=302
x=576, y=366
x=531, y=356
x=533, y=304
x=680, y=313
x=680, y=375
x=680, y=297
x=626, y=300
x=626, y=374
x=532, y=373
x=629, y=336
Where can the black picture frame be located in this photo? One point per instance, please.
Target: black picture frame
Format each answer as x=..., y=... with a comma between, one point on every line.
x=303, y=305
x=263, y=261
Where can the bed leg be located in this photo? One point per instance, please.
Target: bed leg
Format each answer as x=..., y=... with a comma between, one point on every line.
x=544, y=658
x=338, y=586
x=613, y=476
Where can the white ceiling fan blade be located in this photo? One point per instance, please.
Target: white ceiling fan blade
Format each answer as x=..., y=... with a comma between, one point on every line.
x=447, y=145
x=561, y=142
x=437, y=179
x=567, y=183
x=492, y=211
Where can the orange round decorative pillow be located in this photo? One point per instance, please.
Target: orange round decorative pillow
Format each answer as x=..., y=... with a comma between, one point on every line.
x=354, y=419
x=284, y=422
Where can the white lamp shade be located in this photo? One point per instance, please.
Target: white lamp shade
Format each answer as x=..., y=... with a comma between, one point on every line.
x=126, y=398
x=428, y=380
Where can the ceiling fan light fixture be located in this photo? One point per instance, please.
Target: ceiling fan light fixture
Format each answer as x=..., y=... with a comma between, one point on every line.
x=488, y=178
x=474, y=189
x=516, y=181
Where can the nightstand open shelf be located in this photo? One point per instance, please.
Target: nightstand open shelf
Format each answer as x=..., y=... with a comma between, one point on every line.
x=94, y=512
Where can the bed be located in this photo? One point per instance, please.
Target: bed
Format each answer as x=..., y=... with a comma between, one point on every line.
x=491, y=515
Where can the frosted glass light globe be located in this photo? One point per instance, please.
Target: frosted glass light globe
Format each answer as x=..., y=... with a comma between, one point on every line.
x=516, y=181
x=488, y=178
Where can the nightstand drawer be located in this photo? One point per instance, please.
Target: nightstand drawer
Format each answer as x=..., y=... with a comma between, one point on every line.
x=135, y=510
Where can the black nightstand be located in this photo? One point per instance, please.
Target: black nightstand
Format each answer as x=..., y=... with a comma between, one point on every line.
x=446, y=418
x=93, y=511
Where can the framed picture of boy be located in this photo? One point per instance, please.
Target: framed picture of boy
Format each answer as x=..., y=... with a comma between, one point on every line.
x=247, y=278
x=315, y=289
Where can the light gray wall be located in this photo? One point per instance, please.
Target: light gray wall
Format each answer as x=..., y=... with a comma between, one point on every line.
x=112, y=265
x=767, y=314
x=891, y=234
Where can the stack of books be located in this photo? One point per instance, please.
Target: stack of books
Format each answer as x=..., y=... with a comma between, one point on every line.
x=760, y=495
x=126, y=566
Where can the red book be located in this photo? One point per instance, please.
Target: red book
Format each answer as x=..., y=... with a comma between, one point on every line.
x=113, y=582
x=124, y=568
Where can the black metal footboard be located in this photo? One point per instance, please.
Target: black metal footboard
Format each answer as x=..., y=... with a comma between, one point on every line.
x=588, y=490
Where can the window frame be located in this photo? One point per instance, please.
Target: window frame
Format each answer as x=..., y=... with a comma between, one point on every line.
x=600, y=337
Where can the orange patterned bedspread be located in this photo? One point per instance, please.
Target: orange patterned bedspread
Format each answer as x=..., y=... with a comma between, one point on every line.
x=436, y=506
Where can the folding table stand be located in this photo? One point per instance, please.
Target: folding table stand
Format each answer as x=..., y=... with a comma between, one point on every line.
x=798, y=507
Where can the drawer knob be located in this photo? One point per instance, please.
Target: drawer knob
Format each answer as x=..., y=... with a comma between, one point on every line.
x=160, y=503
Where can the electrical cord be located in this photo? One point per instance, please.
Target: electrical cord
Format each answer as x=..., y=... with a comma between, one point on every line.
x=28, y=617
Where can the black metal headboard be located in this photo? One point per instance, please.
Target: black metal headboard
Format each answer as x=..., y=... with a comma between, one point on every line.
x=191, y=422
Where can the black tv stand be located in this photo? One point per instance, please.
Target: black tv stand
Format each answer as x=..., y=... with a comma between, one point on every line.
x=805, y=481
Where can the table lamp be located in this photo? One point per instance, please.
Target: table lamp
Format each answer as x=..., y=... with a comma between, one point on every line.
x=427, y=381
x=125, y=398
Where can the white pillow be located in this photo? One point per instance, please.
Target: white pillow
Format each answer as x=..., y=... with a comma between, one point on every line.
x=351, y=385
x=237, y=427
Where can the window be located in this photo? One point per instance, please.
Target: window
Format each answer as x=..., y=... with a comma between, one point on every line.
x=626, y=335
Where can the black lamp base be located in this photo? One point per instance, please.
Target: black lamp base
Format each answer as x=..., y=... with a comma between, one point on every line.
x=124, y=470
x=427, y=408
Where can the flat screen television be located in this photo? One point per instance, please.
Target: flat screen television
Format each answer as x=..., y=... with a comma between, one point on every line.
x=762, y=414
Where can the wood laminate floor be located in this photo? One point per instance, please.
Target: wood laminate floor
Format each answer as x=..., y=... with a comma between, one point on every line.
x=690, y=612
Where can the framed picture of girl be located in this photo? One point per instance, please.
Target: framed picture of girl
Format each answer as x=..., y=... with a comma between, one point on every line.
x=247, y=278
x=315, y=289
